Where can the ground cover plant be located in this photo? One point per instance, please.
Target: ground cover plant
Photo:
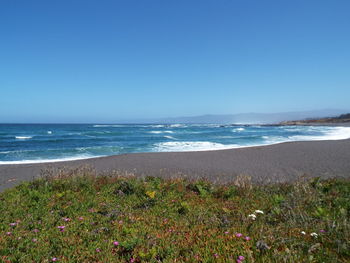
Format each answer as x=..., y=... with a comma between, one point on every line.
x=77, y=217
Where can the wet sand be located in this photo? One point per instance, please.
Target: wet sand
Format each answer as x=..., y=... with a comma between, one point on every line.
x=282, y=162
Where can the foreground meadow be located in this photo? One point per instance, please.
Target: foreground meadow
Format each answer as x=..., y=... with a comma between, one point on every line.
x=76, y=217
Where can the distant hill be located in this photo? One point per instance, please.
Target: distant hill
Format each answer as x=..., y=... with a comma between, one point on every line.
x=343, y=118
x=253, y=118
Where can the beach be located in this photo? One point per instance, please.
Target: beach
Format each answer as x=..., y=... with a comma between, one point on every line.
x=283, y=162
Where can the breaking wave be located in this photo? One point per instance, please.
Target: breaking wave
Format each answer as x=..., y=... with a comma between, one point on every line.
x=23, y=137
x=191, y=146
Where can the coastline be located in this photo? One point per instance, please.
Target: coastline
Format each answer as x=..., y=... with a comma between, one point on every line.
x=282, y=162
x=328, y=124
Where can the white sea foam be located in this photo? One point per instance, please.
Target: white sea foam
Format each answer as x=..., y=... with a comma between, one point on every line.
x=268, y=140
x=159, y=132
x=325, y=133
x=113, y=149
x=191, y=146
x=80, y=157
x=49, y=132
x=23, y=137
x=329, y=133
x=170, y=137
x=177, y=126
x=238, y=129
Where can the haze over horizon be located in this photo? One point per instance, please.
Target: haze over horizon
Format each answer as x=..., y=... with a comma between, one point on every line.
x=124, y=60
x=238, y=118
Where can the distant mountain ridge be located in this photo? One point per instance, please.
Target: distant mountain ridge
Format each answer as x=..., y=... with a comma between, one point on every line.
x=254, y=118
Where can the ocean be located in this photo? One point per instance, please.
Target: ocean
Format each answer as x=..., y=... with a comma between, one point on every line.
x=33, y=143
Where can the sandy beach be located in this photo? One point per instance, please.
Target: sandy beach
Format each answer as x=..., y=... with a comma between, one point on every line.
x=282, y=162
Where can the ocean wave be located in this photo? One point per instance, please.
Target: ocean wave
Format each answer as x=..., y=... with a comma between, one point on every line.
x=178, y=125
x=191, y=146
x=18, y=152
x=329, y=133
x=107, y=125
x=92, y=133
x=101, y=149
x=238, y=130
x=324, y=133
x=273, y=139
x=49, y=132
x=73, y=158
x=170, y=137
x=225, y=137
x=160, y=132
x=23, y=137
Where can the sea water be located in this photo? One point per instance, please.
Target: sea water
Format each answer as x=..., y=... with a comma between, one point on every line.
x=31, y=143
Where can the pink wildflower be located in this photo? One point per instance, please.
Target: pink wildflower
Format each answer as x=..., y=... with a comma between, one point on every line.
x=61, y=228
x=54, y=259
x=226, y=233
x=216, y=255
x=66, y=219
x=34, y=240
x=247, y=238
x=132, y=260
x=81, y=218
x=322, y=231
x=35, y=230
x=13, y=224
x=116, y=243
x=241, y=258
x=8, y=233
x=239, y=235
x=98, y=250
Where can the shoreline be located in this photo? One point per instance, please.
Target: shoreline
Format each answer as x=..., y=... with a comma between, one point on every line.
x=47, y=161
x=280, y=162
x=74, y=159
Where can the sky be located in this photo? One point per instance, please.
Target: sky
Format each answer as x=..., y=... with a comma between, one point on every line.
x=104, y=61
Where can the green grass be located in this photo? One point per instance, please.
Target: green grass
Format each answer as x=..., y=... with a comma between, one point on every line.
x=157, y=220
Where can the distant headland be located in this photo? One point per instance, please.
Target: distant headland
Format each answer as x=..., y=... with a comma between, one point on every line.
x=343, y=119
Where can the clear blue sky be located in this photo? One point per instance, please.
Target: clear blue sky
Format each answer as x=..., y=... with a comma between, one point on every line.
x=103, y=61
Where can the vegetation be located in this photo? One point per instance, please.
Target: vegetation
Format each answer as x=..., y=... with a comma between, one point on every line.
x=77, y=217
x=344, y=118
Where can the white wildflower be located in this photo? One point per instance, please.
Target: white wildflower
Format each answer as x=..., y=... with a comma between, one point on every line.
x=303, y=233
x=259, y=212
x=252, y=216
x=313, y=234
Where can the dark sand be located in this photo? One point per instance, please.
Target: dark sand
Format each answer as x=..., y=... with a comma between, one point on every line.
x=283, y=162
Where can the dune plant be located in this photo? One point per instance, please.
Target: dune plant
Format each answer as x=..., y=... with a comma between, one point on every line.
x=80, y=217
